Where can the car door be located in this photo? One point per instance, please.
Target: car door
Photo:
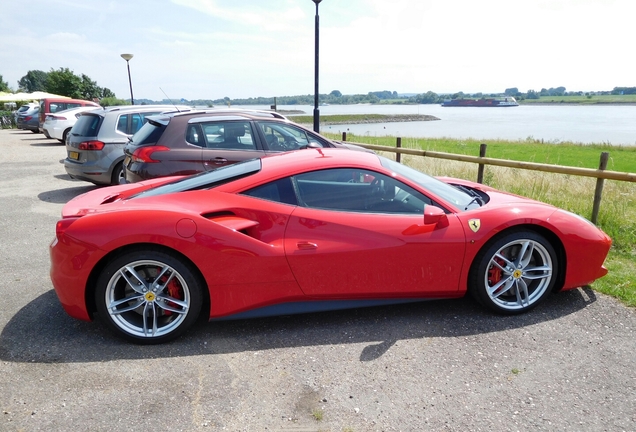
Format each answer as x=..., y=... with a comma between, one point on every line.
x=351, y=237
x=227, y=142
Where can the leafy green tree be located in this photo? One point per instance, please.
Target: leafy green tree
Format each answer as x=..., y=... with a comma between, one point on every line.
x=89, y=88
x=512, y=91
x=4, y=86
x=532, y=95
x=34, y=80
x=112, y=101
x=64, y=83
x=107, y=93
x=336, y=93
x=426, y=98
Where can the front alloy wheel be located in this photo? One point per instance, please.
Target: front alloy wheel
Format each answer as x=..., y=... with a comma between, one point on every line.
x=148, y=297
x=515, y=273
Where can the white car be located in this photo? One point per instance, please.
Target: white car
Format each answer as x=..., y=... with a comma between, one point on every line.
x=58, y=125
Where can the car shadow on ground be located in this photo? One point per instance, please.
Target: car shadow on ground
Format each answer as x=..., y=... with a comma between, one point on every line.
x=41, y=332
x=62, y=196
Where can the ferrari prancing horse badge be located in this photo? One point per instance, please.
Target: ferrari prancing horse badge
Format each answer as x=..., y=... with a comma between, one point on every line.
x=474, y=224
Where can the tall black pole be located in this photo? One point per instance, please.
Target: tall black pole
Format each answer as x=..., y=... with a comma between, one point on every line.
x=132, y=100
x=316, y=110
x=127, y=57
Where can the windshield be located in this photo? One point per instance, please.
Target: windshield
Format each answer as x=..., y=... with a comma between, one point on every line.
x=451, y=194
x=205, y=180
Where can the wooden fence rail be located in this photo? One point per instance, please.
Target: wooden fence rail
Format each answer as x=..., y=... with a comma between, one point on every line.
x=600, y=174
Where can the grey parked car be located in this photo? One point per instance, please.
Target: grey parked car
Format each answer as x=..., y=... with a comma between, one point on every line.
x=95, y=144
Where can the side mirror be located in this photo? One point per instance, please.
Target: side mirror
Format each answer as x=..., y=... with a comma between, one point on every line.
x=310, y=145
x=435, y=216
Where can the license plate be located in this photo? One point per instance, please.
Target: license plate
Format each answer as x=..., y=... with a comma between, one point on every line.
x=73, y=155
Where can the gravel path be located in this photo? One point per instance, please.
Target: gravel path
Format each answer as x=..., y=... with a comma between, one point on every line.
x=570, y=365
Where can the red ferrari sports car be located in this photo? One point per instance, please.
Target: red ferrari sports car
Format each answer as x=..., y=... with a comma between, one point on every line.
x=305, y=231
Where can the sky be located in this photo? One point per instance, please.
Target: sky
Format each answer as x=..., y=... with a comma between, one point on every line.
x=210, y=49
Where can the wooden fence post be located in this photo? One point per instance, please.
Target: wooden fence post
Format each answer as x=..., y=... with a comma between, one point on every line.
x=598, y=193
x=398, y=144
x=344, y=136
x=480, y=169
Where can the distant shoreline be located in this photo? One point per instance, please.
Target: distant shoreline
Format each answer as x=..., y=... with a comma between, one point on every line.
x=343, y=119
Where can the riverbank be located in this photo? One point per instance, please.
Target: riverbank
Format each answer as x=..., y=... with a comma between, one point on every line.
x=345, y=119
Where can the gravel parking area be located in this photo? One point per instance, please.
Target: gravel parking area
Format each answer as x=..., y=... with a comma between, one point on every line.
x=569, y=365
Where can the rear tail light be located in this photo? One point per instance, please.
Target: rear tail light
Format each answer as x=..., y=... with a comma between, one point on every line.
x=91, y=145
x=144, y=154
x=52, y=117
x=62, y=225
x=27, y=118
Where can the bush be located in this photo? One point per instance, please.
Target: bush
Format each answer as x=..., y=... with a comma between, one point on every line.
x=7, y=119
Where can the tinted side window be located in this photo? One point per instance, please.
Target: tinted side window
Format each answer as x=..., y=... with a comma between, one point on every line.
x=280, y=191
x=357, y=190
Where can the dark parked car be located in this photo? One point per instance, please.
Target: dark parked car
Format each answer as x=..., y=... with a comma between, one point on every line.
x=27, y=118
x=198, y=141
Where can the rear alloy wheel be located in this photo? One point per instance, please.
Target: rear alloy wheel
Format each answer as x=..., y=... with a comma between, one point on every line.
x=515, y=273
x=64, y=135
x=118, y=175
x=148, y=297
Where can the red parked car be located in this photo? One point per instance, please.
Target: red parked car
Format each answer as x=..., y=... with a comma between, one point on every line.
x=308, y=230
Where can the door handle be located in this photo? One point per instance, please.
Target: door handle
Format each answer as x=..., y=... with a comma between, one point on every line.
x=305, y=245
x=218, y=161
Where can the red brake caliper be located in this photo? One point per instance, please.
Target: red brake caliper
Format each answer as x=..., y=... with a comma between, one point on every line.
x=175, y=291
x=495, y=273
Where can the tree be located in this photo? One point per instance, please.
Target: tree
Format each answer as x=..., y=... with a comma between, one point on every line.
x=34, y=80
x=107, y=93
x=532, y=94
x=64, y=83
x=336, y=93
x=4, y=86
x=427, y=98
x=512, y=91
x=89, y=88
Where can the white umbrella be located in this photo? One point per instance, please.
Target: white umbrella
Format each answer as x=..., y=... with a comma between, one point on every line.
x=10, y=97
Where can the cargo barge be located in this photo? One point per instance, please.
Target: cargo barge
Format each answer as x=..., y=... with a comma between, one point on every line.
x=507, y=101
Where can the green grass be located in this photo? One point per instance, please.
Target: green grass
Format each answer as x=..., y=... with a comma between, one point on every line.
x=621, y=158
x=585, y=100
x=617, y=215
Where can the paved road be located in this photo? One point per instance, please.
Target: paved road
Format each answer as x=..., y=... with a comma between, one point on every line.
x=444, y=365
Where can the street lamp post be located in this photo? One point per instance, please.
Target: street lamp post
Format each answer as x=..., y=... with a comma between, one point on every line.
x=127, y=57
x=316, y=110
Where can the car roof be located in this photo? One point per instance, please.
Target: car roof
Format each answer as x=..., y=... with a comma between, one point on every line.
x=215, y=113
x=140, y=108
x=317, y=158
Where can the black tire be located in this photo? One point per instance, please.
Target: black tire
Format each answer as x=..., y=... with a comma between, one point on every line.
x=514, y=273
x=64, y=135
x=118, y=174
x=149, y=297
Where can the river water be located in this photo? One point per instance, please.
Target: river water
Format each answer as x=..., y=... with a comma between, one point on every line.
x=600, y=124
